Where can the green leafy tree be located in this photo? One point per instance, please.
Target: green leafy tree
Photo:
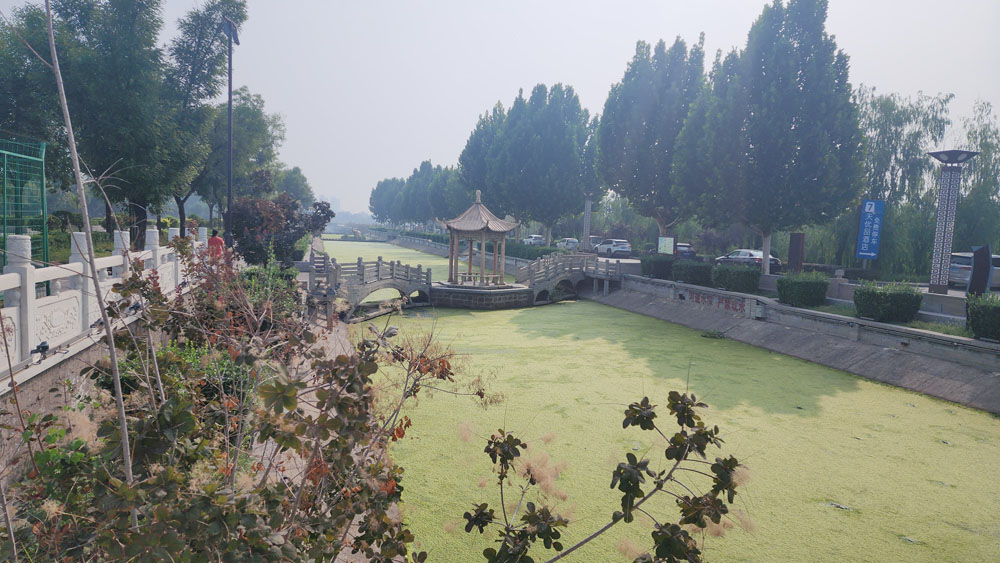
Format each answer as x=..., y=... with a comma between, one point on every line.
x=256, y=138
x=474, y=162
x=977, y=219
x=793, y=150
x=195, y=75
x=382, y=201
x=448, y=194
x=642, y=118
x=294, y=183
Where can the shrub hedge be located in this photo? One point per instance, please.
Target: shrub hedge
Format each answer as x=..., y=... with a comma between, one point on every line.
x=890, y=303
x=984, y=315
x=658, y=266
x=744, y=279
x=689, y=271
x=803, y=290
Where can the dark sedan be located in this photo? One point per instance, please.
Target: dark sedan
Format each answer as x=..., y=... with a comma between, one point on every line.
x=748, y=257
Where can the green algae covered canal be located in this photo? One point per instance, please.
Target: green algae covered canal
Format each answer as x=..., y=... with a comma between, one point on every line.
x=842, y=469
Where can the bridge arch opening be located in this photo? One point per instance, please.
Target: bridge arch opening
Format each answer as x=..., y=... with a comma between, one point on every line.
x=542, y=296
x=563, y=290
x=419, y=298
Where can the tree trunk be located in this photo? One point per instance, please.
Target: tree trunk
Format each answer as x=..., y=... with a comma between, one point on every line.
x=766, y=251
x=139, y=226
x=211, y=218
x=548, y=235
x=181, y=214
x=663, y=226
x=109, y=218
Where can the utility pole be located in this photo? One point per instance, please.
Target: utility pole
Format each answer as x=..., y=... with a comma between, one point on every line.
x=229, y=28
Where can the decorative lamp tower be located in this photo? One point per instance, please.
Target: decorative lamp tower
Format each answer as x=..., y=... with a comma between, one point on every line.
x=944, y=228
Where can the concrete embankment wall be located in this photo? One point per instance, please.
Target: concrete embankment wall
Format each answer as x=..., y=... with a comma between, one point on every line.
x=957, y=369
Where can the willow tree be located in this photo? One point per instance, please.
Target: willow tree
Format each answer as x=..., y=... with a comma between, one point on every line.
x=642, y=117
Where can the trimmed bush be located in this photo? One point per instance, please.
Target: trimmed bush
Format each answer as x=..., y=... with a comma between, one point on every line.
x=803, y=290
x=890, y=303
x=659, y=266
x=984, y=315
x=689, y=271
x=744, y=279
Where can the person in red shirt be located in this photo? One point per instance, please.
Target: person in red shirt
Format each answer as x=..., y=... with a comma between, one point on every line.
x=215, y=244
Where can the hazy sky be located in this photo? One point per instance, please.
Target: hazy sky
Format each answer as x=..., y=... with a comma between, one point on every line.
x=368, y=89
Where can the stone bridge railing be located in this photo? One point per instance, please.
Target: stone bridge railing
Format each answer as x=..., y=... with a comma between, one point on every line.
x=66, y=309
x=362, y=272
x=552, y=266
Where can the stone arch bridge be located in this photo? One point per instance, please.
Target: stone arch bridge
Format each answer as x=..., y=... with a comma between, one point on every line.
x=555, y=276
x=354, y=282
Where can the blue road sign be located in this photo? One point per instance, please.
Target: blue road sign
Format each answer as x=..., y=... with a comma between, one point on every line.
x=870, y=229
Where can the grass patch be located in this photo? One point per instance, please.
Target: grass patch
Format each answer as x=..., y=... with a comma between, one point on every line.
x=835, y=309
x=943, y=328
x=60, y=246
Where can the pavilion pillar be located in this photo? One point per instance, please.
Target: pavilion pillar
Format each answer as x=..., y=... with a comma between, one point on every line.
x=451, y=256
x=482, y=259
x=472, y=244
x=503, y=255
x=496, y=254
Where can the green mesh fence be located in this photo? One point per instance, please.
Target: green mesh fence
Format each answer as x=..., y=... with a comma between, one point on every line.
x=24, y=210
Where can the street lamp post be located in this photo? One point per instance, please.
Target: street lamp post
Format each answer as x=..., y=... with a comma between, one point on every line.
x=229, y=28
x=944, y=228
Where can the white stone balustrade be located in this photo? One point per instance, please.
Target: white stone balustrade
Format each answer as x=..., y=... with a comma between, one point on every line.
x=71, y=308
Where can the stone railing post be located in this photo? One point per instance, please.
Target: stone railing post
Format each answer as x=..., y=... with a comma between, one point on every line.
x=408, y=273
x=378, y=269
x=420, y=272
x=82, y=283
x=153, y=245
x=428, y=276
x=332, y=274
x=172, y=233
x=618, y=267
x=19, y=262
x=361, y=270
x=122, y=244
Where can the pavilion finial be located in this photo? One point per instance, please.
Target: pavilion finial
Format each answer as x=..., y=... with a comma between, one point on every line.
x=479, y=196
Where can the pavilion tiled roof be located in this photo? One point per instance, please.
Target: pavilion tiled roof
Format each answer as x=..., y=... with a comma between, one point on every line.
x=479, y=218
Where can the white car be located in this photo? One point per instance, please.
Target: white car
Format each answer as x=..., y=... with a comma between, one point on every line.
x=568, y=244
x=534, y=240
x=614, y=247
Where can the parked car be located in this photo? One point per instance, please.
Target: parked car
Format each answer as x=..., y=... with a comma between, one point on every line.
x=684, y=251
x=748, y=257
x=593, y=241
x=961, y=269
x=568, y=244
x=614, y=247
x=534, y=240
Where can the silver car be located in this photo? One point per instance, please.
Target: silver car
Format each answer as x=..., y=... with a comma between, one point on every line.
x=614, y=247
x=961, y=269
x=568, y=244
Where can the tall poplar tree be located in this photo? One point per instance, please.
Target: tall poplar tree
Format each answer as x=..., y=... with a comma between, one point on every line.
x=642, y=117
x=791, y=150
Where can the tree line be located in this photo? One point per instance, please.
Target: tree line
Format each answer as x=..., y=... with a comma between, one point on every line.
x=148, y=125
x=772, y=138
